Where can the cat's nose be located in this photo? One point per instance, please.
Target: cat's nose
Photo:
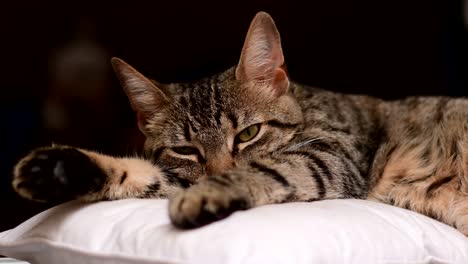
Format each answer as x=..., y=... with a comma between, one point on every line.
x=219, y=165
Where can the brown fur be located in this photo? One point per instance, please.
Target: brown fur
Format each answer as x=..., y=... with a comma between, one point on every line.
x=311, y=145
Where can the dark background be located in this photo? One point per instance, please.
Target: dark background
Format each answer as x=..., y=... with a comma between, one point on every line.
x=57, y=85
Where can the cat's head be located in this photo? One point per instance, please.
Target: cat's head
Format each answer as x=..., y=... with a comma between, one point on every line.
x=222, y=121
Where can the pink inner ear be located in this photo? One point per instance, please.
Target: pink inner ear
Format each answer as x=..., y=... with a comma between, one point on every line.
x=280, y=75
x=273, y=65
x=280, y=81
x=142, y=121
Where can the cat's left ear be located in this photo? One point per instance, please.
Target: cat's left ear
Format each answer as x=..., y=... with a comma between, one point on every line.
x=262, y=61
x=145, y=97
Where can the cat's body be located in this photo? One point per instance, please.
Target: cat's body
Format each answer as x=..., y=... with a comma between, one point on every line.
x=249, y=137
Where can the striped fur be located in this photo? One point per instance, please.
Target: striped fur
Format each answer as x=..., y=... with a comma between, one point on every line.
x=312, y=145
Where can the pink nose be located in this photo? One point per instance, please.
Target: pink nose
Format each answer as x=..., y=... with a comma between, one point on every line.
x=219, y=166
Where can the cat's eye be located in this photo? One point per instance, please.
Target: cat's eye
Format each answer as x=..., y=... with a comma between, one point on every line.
x=248, y=133
x=185, y=150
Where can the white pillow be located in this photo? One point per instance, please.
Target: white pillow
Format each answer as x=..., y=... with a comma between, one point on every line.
x=138, y=231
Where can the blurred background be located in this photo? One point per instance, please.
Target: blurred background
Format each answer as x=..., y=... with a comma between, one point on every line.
x=57, y=85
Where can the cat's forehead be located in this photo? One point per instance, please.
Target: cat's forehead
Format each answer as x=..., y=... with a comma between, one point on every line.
x=220, y=82
x=205, y=105
x=210, y=108
x=208, y=98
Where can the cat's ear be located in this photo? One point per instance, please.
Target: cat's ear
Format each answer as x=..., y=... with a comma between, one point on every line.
x=145, y=97
x=262, y=60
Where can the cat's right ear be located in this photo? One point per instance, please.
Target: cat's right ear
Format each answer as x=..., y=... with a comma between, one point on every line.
x=262, y=63
x=145, y=98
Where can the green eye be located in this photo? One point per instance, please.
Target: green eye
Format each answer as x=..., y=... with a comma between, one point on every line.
x=248, y=133
x=185, y=150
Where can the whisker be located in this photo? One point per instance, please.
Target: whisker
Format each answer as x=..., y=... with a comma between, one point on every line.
x=303, y=143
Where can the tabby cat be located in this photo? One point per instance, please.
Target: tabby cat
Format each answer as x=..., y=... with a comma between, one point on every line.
x=249, y=136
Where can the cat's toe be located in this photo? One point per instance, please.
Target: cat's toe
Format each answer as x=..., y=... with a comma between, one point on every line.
x=55, y=174
x=196, y=207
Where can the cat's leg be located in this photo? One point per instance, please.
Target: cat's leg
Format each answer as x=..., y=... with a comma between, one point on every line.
x=289, y=176
x=61, y=173
x=426, y=175
x=458, y=214
x=439, y=199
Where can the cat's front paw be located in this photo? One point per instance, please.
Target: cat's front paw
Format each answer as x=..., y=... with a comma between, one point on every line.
x=204, y=203
x=56, y=174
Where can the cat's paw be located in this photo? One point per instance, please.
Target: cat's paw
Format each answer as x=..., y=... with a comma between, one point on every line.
x=56, y=174
x=203, y=203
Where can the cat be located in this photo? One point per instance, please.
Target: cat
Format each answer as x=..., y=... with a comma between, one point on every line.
x=250, y=136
